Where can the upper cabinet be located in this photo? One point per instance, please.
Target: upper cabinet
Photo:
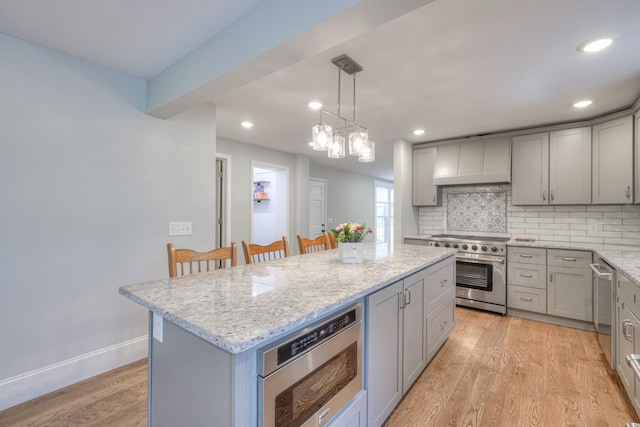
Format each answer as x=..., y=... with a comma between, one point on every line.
x=474, y=162
x=552, y=168
x=530, y=176
x=424, y=162
x=613, y=162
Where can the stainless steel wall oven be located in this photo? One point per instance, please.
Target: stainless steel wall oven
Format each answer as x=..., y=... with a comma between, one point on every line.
x=310, y=377
x=481, y=270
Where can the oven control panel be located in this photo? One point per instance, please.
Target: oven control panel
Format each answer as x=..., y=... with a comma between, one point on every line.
x=488, y=248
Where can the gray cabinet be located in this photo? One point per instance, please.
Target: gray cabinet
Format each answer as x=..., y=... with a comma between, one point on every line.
x=636, y=150
x=613, y=162
x=552, y=168
x=627, y=334
x=570, y=285
x=527, y=279
x=398, y=329
x=395, y=344
x=424, y=163
x=570, y=167
x=530, y=169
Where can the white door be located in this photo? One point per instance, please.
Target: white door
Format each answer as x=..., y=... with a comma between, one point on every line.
x=317, y=207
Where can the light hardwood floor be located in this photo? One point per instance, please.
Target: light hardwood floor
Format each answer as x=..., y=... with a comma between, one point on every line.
x=492, y=371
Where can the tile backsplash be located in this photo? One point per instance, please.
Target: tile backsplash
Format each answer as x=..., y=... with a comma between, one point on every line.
x=598, y=226
x=477, y=212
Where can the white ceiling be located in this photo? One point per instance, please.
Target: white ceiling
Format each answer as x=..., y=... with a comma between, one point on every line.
x=453, y=67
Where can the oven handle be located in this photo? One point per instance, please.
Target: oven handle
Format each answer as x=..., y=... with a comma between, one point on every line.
x=480, y=260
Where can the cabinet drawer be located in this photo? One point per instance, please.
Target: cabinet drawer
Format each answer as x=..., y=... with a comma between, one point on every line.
x=440, y=284
x=527, y=255
x=529, y=275
x=530, y=299
x=440, y=323
x=570, y=259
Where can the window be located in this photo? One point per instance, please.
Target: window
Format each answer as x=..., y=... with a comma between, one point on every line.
x=384, y=212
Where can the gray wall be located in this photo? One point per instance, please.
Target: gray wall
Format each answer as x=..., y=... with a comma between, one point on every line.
x=350, y=197
x=88, y=184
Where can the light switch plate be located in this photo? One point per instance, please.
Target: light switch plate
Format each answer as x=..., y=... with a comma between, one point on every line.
x=180, y=229
x=157, y=326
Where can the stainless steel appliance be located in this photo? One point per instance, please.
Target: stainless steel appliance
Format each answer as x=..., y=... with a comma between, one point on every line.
x=308, y=378
x=604, y=309
x=481, y=270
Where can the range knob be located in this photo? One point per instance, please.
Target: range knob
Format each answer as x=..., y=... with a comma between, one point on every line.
x=465, y=247
x=484, y=248
x=494, y=249
x=474, y=247
x=446, y=245
x=436, y=244
x=455, y=245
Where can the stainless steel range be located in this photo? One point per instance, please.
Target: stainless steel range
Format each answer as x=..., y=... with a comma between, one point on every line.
x=480, y=270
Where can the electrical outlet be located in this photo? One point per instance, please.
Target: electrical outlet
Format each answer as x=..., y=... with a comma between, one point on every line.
x=157, y=326
x=180, y=229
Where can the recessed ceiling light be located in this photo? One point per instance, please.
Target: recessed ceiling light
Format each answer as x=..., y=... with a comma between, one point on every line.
x=582, y=104
x=594, y=45
x=247, y=125
x=418, y=131
x=315, y=105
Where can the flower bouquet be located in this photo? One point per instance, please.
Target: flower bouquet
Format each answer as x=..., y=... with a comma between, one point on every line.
x=350, y=236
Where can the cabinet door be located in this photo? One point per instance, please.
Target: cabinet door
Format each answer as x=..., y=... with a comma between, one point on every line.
x=530, y=169
x=424, y=163
x=613, y=162
x=414, y=358
x=570, y=293
x=626, y=337
x=384, y=352
x=570, y=167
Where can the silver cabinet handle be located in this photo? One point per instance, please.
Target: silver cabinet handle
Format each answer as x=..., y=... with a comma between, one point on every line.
x=569, y=259
x=443, y=324
x=627, y=328
x=407, y=296
x=551, y=277
x=528, y=299
x=552, y=196
x=434, y=197
x=633, y=360
x=544, y=195
x=402, y=300
x=443, y=282
x=627, y=192
x=525, y=256
x=529, y=276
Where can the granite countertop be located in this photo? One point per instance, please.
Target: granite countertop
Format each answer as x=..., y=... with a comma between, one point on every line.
x=239, y=308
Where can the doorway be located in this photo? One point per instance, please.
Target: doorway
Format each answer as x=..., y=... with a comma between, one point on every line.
x=270, y=205
x=222, y=214
x=317, y=207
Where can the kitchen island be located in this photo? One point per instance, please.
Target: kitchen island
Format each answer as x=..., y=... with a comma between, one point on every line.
x=211, y=324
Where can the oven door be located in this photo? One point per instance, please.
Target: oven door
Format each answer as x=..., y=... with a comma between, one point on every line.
x=313, y=388
x=481, y=279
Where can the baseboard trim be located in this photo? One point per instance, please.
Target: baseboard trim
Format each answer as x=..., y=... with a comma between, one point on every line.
x=27, y=386
x=554, y=320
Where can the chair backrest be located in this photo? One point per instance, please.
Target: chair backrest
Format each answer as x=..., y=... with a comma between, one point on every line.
x=257, y=253
x=333, y=243
x=186, y=261
x=307, y=246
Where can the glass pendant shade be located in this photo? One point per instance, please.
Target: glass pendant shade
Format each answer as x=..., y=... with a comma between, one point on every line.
x=336, y=148
x=368, y=153
x=322, y=135
x=357, y=140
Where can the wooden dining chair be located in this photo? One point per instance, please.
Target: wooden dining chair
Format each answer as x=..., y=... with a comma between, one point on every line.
x=333, y=243
x=186, y=261
x=307, y=246
x=254, y=253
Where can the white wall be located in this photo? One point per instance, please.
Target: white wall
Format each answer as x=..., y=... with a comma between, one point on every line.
x=350, y=196
x=88, y=185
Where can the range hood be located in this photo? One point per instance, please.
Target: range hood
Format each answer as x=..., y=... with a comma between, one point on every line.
x=474, y=162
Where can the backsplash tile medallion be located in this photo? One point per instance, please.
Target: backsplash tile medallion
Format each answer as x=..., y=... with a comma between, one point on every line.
x=477, y=212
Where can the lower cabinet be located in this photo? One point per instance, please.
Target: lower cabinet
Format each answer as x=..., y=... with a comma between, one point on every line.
x=401, y=334
x=570, y=293
x=627, y=335
x=354, y=415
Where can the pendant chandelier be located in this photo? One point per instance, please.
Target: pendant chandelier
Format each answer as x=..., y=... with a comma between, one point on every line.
x=326, y=138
